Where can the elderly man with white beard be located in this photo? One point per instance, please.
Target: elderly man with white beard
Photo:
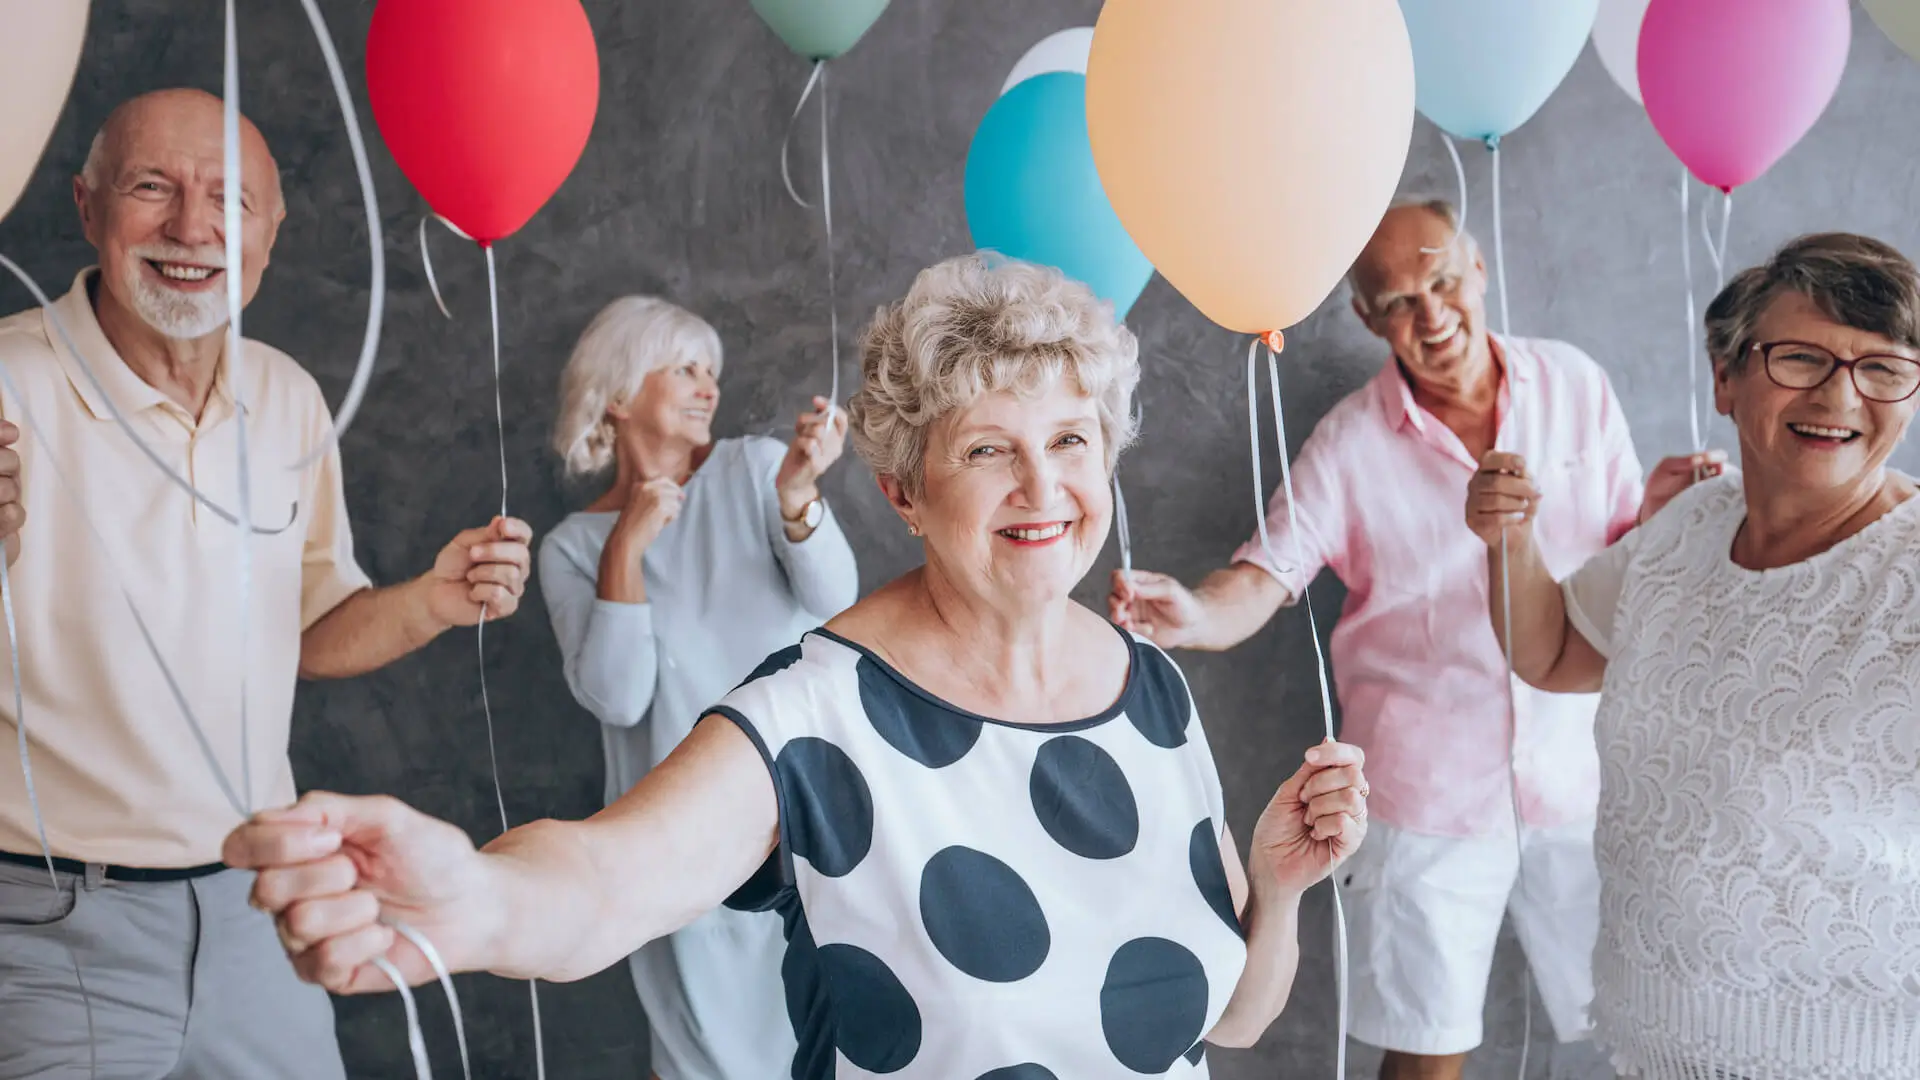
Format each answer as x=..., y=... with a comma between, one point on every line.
x=181, y=977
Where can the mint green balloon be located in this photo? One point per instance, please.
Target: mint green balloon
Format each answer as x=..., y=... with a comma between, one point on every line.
x=820, y=29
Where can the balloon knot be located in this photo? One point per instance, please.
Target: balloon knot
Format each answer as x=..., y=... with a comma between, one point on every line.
x=1493, y=143
x=1275, y=340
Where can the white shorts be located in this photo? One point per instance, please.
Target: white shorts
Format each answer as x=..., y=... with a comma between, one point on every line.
x=1424, y=912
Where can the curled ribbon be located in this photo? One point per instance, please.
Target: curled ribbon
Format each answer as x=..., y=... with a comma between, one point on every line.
x=480, y=630
x=819, y=78
x=1460, y=176
x=240, y=801
x=233, y=205
x=1506, y=600
x=1274, y=340
x=1686, y=268
x=1499, y=245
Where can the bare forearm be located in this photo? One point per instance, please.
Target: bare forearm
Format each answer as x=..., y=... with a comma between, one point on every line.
x=549, y=905
x=369, y=630
x=575, y=897
x=1272, y=920
x=1539, y=610
x=1237, y=602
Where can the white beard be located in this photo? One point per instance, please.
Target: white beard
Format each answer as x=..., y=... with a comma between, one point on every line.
x=183, y=316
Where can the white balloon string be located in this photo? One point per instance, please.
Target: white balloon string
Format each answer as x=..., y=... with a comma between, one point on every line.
x=826, y=205
x=1460, y=176
x=480, y=629
x=376, y=244
x=1253, y=450
x=426, y=258
x=1499, y=241
x=20, y=721
x=233, y=205
x=146, y=635
x=1510, y=428
x=819, y=79
x=33, y=801
x=416, y=1041
x=445, y=977
x=86, y=368
x=1686, y=269
x=1717, y=252
x=786, y=142
x=1340, y=959
x=1513, y=777
x=1122, y=530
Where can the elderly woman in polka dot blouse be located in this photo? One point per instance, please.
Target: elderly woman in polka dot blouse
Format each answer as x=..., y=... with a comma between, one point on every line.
x=989, y=817
x=1756, y=646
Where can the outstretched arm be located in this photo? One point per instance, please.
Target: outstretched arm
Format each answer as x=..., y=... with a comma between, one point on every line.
x=550, y=900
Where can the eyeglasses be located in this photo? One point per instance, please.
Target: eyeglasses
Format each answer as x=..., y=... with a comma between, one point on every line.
x=1882, y=377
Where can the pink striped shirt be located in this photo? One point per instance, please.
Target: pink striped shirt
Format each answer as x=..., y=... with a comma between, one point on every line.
x=1422, y=682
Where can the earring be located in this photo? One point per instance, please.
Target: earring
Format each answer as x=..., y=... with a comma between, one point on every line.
x=912, y=529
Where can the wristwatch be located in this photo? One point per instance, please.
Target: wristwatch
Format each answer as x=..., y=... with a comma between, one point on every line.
x=810, y=515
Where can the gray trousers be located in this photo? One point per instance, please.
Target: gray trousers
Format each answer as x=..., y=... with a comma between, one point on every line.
x=184, y=981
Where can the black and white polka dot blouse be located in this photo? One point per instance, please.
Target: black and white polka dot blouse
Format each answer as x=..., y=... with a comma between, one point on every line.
x=968, y=898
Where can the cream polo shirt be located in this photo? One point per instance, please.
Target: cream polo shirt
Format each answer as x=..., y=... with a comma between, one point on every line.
x=120, y=776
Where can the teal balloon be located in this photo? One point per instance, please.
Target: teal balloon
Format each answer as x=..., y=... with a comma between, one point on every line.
x=1481, y=68
x=1033, y=192
x=820, y=29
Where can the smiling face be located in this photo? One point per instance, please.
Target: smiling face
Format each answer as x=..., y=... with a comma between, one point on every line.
x=1423, y=291
x=674, y=406
x=1825, y=438
x=1015, y=502
x=152, y=204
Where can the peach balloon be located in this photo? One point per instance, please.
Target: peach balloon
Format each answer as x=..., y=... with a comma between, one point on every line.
x=38, y=54
x=1251, y=147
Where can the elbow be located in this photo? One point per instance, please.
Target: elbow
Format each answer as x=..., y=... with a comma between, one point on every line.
x=620, y=715
x=1236, y=1034
x=619, y=707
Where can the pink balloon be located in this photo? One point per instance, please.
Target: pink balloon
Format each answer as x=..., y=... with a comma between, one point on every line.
x=1732, y=85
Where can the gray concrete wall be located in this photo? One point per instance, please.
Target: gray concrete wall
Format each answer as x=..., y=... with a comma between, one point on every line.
x=679, y=192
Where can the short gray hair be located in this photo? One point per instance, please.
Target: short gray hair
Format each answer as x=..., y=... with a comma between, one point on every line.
x=96, y=162
x=979, y=324
x=1854, y=280
x=1438, y=206
x=629, y=338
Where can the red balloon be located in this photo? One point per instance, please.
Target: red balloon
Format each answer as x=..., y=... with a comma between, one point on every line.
x=485, y=104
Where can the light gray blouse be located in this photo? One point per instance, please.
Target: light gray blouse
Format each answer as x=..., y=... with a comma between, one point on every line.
x=725, y=589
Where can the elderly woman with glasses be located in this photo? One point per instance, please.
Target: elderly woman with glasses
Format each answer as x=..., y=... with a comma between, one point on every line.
x=988, y=817
x=1757, y=649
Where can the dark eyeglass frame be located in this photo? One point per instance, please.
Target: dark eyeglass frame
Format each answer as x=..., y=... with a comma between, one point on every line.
x=1765, y=349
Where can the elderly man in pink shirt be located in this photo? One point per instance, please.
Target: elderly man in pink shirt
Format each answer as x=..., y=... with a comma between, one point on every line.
x=1423, y=685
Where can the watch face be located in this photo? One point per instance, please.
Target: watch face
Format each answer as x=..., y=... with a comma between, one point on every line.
x=815, y=511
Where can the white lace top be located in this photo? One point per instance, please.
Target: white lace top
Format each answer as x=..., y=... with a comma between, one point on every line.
x=1759, y=825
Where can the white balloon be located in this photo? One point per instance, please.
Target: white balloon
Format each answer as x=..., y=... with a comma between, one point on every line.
x=1064, y=51
x=1616, y=37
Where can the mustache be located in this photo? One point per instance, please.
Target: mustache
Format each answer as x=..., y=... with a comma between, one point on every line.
x=209, y=255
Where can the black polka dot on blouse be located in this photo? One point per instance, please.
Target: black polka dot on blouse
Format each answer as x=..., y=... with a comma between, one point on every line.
x=967, y=897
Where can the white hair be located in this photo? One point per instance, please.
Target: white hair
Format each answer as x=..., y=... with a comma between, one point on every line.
x=628, y=339
x=975, y=325
x=1439, y=207
x=96, y=162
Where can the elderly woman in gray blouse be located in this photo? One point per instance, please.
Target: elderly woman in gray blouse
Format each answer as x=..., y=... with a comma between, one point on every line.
x=698, y=559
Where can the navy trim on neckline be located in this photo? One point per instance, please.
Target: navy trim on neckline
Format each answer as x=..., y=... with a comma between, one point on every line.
x=1118, y=708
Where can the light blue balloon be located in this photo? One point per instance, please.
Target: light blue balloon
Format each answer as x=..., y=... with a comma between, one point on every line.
x=1481, y=68
x=1033, y=193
